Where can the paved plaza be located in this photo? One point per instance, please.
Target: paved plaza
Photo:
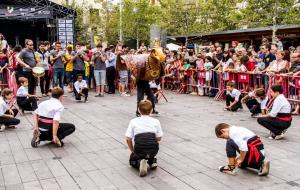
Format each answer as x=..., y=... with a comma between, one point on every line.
x=96, y=155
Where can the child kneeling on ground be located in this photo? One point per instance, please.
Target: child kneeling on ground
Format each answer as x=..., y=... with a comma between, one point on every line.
x=80, y=88
x=25, y=101
x=47, y=116
x=249, y=146
x=7, y=115
x=146, y=133
x=233, y=98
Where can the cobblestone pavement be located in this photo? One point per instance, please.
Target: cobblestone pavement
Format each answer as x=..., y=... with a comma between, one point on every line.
x=96, y=156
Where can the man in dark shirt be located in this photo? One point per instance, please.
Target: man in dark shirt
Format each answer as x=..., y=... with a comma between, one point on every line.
x=27, y=59
x=267, y=59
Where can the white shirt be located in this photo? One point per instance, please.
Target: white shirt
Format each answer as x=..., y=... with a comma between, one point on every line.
x=144, y=124
x=234, y=94
x=263, y=103
x=240, y=68
x=3, y=106
x=154, y=85
x=277, y=65
x=51, y=108
x=240, y=136
x=280, y=105
x=80, y=85
x=22, y=92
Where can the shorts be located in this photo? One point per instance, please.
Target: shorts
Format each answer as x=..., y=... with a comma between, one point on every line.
x=123, y=77
x=100, y=77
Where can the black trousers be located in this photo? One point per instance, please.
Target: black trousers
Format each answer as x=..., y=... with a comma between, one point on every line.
x=85, y=91
x=236, y=106
x=275, y=125
x=45, y=83
x=143, y=88
x=31, y=81
x=253, y=106
x=232, y=149
x=10, y=121
x=27, y=103
x=64, y=130
x=110, y=78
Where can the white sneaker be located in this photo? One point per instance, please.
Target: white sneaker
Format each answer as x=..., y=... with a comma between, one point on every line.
x=278, y=137
x=2, y=127
x=265, y=167
x=143, y=168
x=127, y=95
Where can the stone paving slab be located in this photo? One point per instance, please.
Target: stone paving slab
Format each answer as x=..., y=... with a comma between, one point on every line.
x=96, y=156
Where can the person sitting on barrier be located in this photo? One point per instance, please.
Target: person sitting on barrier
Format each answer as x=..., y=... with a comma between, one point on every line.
x=80, y=89
x=146, y=133
x=7, y=115
x=47, y=116
x=25, y=101
x=233, y=98
x=249, y=146
x=256, y=102
x=279, y=119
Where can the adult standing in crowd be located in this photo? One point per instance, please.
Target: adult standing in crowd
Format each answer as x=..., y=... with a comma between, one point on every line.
x=110, y=70
x=98, y=60
x=57, y=59
x=27, y=59
x=43, y=57
x=78, y=58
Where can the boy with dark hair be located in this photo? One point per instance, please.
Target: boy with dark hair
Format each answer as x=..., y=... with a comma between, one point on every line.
x=256, y=102
x=279, y=119
x=81, y=88
x=47, y=116
x=233, y=98
x=249, y=146
x=146, y=132
x=25, y=101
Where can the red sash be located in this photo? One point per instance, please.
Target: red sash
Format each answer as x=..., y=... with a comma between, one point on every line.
x=49, y=121
x=253, y=151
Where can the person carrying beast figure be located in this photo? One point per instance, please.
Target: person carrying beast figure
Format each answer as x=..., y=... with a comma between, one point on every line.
x=149, y=70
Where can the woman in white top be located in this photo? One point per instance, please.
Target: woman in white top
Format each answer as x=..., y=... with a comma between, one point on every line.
x=279, y=65
x=7, y=115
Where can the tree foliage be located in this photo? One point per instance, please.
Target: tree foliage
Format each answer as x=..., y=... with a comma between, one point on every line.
x=182, y=17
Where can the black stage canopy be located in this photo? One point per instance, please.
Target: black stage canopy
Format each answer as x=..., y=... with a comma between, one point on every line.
x=31, y=19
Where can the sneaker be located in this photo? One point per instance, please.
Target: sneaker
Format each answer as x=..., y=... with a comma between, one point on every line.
x=255, y=115
x=138, y=114
x=35, y=141
x=155, y=112
x=153, y=166
x=86, y=101
x=227, y=170
x=281, y=136
x=126, y=95
x=143, y=168
x=265, y=167
x=272, y=136
x=98, y=95
x=2, y=127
